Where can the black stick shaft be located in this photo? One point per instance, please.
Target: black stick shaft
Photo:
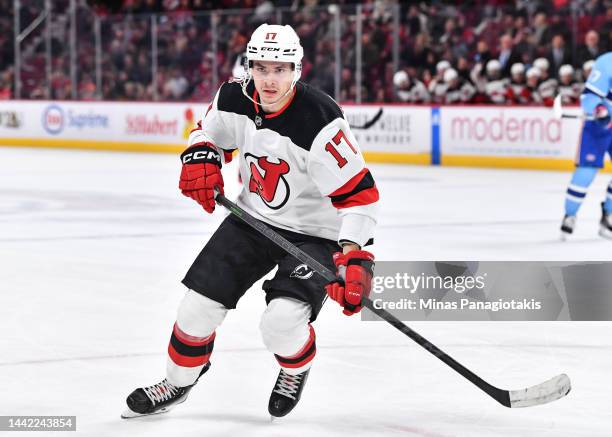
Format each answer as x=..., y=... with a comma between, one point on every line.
x=501, y=396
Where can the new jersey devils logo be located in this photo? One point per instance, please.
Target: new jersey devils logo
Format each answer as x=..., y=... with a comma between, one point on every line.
x=271, y=186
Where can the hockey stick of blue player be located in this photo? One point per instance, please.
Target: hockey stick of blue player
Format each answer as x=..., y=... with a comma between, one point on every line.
x=543, y=393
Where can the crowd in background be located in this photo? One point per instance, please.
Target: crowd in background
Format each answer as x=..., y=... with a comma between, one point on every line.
x=490, y=51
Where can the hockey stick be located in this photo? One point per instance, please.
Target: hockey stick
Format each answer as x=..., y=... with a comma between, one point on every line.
x=543, y=393
x=368, y=124
x=558, y=110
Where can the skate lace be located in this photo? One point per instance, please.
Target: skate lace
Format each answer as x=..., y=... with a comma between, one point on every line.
x=287, y=385
x=160, y=392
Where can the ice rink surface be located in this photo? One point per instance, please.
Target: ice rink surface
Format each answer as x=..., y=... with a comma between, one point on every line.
x=93, y=246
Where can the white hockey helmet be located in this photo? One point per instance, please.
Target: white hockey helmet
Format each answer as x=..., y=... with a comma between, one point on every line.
x=442, y=66
x=493, y=65
x=533, y=72
x=400, y=78
x=566, y=70
x=517, y=68
x=588, y=65
x=450, y=75
x=273, y=42
x=542, y=64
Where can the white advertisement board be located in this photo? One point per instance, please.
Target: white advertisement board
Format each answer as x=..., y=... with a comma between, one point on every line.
x=155, y=123
x=492, y=131
x=391, y=128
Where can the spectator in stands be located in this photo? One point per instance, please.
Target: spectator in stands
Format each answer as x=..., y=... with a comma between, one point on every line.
x=569, y=89
x=541, y=30
x=415, y=20
x=483, y=55
x=458, y=89
x=176, y=86
x=559, y=54
x=508, y=55
x=590, y=49
x=408, y=88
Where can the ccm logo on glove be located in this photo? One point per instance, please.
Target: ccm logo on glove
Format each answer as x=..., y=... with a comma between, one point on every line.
x=202, y=154
x=201, y=174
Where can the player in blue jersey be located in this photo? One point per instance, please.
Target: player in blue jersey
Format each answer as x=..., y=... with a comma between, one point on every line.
x=595, y=141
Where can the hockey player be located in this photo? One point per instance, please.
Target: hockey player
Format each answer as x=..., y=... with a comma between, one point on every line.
x=584, y=74
x=569, y=88
x=409, y=89
x=595, y=141
x=547, y=88
x=305, y=177
x=458, y=89
x=517, y=91
x=533, y=79
x=437, y=87
x=493, y=86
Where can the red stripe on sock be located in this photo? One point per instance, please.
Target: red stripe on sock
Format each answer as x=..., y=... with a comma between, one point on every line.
x=182, y=360
x=305, y=361
x=190, y=340
x=309, y=342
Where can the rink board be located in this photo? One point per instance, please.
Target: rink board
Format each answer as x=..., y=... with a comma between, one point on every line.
x=477, y=136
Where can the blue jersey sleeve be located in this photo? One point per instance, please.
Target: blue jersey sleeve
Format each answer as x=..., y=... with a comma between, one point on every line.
x=598, y=85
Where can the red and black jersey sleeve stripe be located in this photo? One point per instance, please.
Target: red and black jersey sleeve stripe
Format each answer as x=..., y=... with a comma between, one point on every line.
x=360, y=190
x=188, y=351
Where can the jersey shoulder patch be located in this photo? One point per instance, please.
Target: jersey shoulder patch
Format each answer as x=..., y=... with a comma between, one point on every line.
x=312, y=112
x=231, y=99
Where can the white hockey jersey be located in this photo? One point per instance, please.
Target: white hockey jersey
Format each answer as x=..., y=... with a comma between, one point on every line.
x=301, y=167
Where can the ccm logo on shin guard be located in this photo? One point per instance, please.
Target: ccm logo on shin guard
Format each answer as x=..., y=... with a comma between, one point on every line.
x=201, y=155
x=302, y=272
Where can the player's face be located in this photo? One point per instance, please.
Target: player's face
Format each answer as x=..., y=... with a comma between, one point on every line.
x=272, y=80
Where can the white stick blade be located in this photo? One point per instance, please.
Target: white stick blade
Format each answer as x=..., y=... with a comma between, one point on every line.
x=543, y=393
x=557, y=109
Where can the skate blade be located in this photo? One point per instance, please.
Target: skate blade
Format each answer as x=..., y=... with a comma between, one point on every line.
x=564, y=236
x=129, y=414
x=605, y=232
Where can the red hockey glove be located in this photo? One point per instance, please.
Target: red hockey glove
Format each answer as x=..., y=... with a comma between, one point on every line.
x=201, y=174
x=356, y=269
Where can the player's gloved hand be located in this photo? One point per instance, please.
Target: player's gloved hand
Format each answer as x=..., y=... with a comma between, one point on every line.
x=355, y=269
x=201, y=174
x=601, y=114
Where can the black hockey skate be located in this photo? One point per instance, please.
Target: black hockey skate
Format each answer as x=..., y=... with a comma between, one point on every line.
x=158, y=398
x=567, y=226
x=286, y=393
x=605, y=224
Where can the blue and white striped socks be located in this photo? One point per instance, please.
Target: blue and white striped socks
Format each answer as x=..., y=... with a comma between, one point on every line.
x=578, y=187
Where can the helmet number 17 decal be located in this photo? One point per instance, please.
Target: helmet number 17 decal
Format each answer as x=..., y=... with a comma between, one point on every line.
x=329, y=147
